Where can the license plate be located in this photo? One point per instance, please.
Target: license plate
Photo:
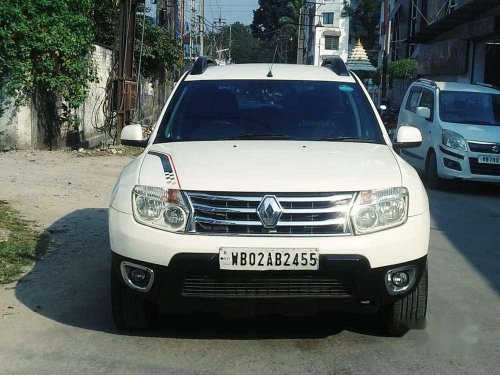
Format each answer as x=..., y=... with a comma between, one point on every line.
x=489, y=159
x=268, y=259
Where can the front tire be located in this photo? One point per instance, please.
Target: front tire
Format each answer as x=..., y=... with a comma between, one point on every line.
x=408, y=312
x=129, y=311
x=433, y=179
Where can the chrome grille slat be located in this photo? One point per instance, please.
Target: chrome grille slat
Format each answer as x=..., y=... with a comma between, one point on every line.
x=304, y=214
x=207, y=220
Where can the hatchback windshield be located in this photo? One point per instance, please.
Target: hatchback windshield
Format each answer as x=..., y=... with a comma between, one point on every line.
x=259, y=109
x=470, y=107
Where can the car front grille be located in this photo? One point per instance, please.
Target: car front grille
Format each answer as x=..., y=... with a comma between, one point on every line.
x=483, y=168
x=485, y=147
x=229, y=285
x=302, y=214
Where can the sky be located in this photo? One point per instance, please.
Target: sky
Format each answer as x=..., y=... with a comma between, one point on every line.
x=232, y=10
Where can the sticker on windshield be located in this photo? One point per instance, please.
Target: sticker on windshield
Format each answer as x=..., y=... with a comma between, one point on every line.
x=346, y=88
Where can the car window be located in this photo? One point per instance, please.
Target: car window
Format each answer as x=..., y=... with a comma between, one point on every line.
x=295, y=110
x=413, y=99
x=427, y=100
x=465, y=107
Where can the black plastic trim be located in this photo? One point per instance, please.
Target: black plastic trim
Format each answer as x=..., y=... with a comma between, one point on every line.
x=369, y=283
x=412, y=155
x=201, y=64
x=337, y=65
x=451, y=153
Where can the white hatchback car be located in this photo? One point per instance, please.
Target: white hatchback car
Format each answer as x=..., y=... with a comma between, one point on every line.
x=265, y=190
x=460, y=127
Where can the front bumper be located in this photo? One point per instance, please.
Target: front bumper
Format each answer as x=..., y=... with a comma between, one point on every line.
x=194, y=282
x=393, y=246
x=464, y=166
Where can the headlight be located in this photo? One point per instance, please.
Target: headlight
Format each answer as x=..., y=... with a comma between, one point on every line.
x=160, y=208
x=376, y=210
x=454, y=140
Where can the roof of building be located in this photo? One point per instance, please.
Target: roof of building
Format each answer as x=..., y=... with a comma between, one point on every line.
x=358, y=59
x=286, y=72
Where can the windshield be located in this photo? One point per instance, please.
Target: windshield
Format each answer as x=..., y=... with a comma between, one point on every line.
x=469, y=107
x=265, y=109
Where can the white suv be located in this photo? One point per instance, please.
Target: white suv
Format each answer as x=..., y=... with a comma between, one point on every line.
x=266, y=190
x=460, y=126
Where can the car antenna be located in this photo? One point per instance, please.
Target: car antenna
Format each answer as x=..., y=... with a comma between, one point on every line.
x=270, y=73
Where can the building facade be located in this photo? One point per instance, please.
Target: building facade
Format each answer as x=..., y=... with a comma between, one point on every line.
x=325, y=30
x=452, y=40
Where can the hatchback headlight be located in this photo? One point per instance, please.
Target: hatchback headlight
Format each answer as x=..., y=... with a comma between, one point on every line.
x=454, y=140
x=376, y=210
x=160, y=208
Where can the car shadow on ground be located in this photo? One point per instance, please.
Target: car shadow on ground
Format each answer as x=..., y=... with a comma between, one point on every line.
x=468, y=215
x=70, y=285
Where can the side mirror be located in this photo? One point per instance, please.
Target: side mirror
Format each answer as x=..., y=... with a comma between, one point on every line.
x=132, y=136
x=423, y=112
x=408, y=137
x=382, y=107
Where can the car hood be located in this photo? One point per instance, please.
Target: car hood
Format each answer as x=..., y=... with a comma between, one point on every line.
x=480, y=133
x=277, y=166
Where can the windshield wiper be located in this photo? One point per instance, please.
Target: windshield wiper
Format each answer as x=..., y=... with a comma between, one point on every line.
x=255, y=136
x=348, y=139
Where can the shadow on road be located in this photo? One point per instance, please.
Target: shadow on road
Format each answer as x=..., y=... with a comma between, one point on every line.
x=468, y=215
x=70, y=285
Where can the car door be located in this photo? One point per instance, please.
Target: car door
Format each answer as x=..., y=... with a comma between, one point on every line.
x=409, y=118
x=425, y=127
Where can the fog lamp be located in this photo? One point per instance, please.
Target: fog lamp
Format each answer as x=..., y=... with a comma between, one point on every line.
x=400, y=279
x=138, y=275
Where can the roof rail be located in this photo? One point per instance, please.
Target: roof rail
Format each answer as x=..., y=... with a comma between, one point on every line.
x=490, y=86
x=427, y=81
x=201, y=64
x=336, y=64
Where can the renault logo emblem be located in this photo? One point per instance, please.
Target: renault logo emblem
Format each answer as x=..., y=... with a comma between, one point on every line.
x=495, y=149
x=269, y=211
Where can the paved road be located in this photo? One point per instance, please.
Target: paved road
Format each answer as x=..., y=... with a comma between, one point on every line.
x=57, y=318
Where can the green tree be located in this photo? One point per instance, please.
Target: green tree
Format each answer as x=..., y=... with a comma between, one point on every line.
x=106, y=16
x=160, y=52
x=244, y=47
x=277, y=21
x=45, y=46
x=364, y=23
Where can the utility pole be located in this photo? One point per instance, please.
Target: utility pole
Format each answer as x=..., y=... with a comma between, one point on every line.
x=386, y=49
x=202, y=27
x=230, y=41
x=126, y=89
x=300, y=37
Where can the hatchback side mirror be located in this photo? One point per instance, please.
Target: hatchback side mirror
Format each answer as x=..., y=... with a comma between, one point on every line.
x=132, y=136
x=408, y=137
x=423, y=112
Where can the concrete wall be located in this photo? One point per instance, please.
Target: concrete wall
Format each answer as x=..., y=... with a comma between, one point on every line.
x=13, y=136
x=19, y=127
x=91, y=112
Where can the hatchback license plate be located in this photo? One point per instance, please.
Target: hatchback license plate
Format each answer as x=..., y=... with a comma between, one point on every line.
x=268, y=259
x=489, y=159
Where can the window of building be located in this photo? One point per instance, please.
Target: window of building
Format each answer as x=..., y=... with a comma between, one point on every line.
x=331, y=42
x=328, y=18
x=413, y=99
